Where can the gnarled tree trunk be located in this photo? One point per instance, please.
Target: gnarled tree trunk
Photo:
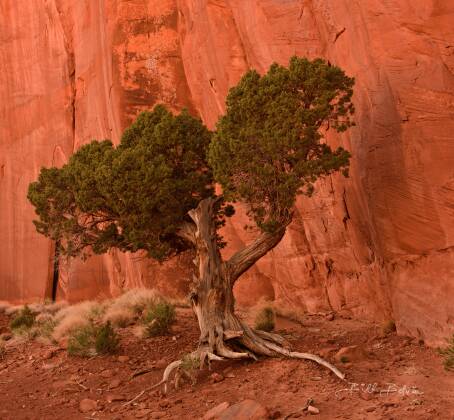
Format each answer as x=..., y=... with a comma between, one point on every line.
x=222, y=333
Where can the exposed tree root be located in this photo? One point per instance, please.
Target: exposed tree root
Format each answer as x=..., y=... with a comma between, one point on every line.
x=251, y=344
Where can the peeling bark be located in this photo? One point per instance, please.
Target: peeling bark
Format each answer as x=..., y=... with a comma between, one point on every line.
x=222, y=333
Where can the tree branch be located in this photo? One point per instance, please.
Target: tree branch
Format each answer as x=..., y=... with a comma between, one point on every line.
x=244, y=259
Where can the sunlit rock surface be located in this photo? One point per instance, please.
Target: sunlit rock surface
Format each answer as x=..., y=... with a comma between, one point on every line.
x=379, y=243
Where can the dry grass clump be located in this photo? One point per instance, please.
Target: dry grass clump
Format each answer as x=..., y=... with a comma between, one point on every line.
x=13, y=309
x=292, y=314
x=53, y=322
x=4, y=306
x=75, y=317
x=36, y=307
x=120, y=317
x=265, y=319
x=129, y=307
x=137, y=300
x=54, y=307
x=44, y=327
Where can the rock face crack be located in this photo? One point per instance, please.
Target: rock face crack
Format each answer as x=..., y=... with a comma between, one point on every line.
x=71, y=65
x=397, y=205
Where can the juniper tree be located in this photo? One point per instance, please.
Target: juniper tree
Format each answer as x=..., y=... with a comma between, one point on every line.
x=155, y=191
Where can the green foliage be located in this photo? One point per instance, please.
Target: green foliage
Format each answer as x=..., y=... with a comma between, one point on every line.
x=344, y=359
x=131, y=197
x=91, y=340
x=46, y=328
x=23, y=320
x=267, y=147
x=265, y=319
x=448, y=355
x=81, y=341
x=189, y=363
x=158, y=318
x=107, y=341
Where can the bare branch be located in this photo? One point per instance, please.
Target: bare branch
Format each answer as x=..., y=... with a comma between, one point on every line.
x=244, y=259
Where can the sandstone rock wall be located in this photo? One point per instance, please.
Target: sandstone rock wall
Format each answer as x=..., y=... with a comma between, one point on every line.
x=379, y=243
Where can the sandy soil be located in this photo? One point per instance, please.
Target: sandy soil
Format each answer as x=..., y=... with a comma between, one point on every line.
x=388, y=377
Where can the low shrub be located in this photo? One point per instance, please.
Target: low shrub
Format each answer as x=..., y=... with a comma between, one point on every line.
x=54, y=307
x=136, y=300
x=23, y=320
x=75, y=317
x=45, y=325
x=90, y=340
x=106, y=341
x=265, y=319
x=189, y=363
x=158, y=318
x=448, y=355
x=82, y=341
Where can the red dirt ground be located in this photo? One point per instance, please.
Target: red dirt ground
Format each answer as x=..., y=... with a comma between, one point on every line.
x=410, y=382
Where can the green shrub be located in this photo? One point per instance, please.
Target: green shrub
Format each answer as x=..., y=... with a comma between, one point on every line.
x=158, y=318
x=91, y=340
x=448, y=355
x=265, y=319
x=47, y=328
x=189, y=363
x=107, y=340
x=82, y=341
x=23, y=320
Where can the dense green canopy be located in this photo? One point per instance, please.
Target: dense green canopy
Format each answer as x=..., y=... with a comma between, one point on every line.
x=131, y=197
x=267, y=146
x=267, y=149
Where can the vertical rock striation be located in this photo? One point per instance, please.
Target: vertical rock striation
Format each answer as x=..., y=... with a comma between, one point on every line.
x=379, y=243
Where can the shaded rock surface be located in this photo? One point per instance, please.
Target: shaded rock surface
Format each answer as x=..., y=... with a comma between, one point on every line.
x=379, y=243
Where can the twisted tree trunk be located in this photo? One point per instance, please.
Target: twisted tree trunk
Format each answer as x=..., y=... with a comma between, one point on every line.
x=222, y=333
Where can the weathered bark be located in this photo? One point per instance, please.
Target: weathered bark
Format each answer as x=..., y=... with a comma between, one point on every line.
x=222, y=333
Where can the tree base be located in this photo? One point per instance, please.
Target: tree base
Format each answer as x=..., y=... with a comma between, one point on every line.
x=239, y=344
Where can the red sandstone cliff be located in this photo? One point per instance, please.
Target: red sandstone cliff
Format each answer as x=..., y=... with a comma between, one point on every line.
x=379, y=243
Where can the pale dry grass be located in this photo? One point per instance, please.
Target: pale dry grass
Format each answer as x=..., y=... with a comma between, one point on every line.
x=280, y=309
x=54, y=307
x=36, y=307
x=137, y=300
x=76, y=316
x=56, y=321
x=292, y=314
x=44, y=317
x=4, y=306
x=119, y=316
x=127, y=308
x=13, y=309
